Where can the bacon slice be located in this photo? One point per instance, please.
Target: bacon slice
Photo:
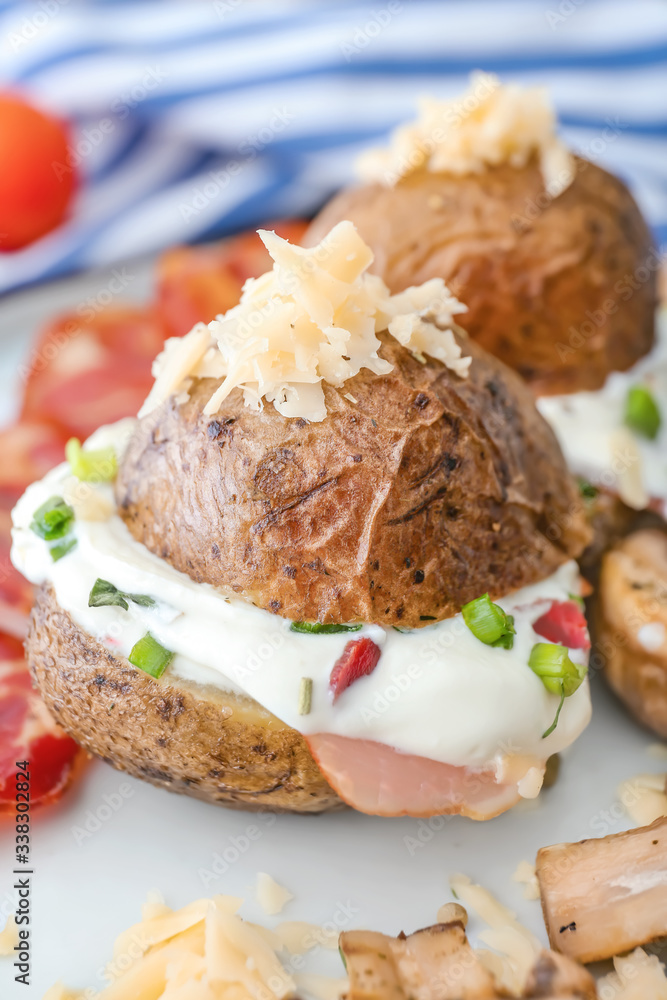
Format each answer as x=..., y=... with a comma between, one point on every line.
x=28, y=733
x=196, y=284
x=564, y=623
x=376, y=779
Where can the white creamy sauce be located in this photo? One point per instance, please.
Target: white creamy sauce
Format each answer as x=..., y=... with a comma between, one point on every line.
x=597, y=446
x=436, y=692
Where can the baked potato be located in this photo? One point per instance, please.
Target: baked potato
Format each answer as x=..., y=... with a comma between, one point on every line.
x=422, y=494
x=562, y=289
x=174, y=733
x=631, y=624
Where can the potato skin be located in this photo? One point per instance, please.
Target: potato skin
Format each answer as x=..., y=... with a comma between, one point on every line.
x=632, y=592
x=426, y=493
x=551, y=291
x=173, y=733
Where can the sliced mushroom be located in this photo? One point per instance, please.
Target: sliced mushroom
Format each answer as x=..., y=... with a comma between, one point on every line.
x=604, y=897
x=435, y=963
x=631, y=625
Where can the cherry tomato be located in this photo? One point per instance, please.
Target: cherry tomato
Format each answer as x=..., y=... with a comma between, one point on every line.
x=36, y=179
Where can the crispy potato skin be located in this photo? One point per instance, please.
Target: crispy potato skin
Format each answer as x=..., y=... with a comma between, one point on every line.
x=632, y=592
x=176, y=734
x=426, y=493
x=550, y=290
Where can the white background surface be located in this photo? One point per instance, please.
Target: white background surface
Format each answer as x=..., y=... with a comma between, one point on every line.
x=391, y=874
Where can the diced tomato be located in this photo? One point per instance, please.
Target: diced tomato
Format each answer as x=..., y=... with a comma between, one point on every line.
x=376, y=779
x=89, y=372
x=27, y=732
x=37, y=178
x=195, y=284
x=360, y=658
x=28, y=449
x=565, y=624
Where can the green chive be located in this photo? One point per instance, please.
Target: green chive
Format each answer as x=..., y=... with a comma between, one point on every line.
x=642, y=413
x=104, y=594
x=318, y=628
x=587, y=490
x=559, y=674
x=578, y=600
x=305, y=696
x=98, y=466
x=549, y=731
x=556, y=670
x=148, y=655
x=53, y=519
x=489, y=623
x=58, y=551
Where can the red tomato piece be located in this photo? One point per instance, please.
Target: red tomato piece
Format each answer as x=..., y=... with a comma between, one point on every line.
x=565, y=624
x=360, y=658
x=196, y=284
x=27, y=732
x=89, y=372
x=37, y=179
x=29, y=449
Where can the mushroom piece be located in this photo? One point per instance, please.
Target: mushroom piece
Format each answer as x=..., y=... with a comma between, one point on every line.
x=437, y=963
x=604, y=897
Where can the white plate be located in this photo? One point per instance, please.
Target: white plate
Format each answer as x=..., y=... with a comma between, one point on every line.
x=354, y=870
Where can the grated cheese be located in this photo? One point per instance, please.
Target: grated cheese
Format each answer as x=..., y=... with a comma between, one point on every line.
x=271, y=896
x=9, y=937
x=206, y=951
x=489, y=125
x=644, y=798
x=313, y=318
x=637, y=976
x=516, y=948
x=526, y=875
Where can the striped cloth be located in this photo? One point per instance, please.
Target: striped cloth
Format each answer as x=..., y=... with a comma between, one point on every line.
x=194, y=119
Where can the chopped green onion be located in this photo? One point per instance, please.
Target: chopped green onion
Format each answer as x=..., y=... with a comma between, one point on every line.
x=401, y=628
x=578, y=600
x=53, y=519
x=556, y=670
x=642, y=413
x=549, y=731
x=60, y=550
x=318, y=628
x=489, y=623
x=587, y=490
x=305, y=695
x=148, y=655
x=559, y=674
x=104, y=595
x=98, y=466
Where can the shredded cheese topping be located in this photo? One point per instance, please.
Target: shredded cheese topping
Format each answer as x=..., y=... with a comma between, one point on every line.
x=644, y=798
x=313, y=318
x=637, y=976
x=271, y=896
x=204, y=951
x=488, y=125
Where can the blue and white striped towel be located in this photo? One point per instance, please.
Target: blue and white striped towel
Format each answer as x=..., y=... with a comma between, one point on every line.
x=197, y=119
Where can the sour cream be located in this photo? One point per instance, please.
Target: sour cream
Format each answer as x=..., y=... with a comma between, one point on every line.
x=598, y=447
x=436, y=692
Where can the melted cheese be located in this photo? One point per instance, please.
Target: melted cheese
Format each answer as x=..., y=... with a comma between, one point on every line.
x=488, y=125
x=312, y=319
